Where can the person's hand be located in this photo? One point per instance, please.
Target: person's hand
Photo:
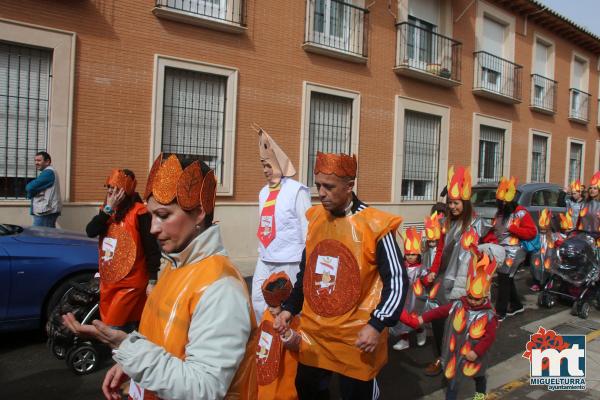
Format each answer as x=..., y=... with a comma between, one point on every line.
x=98, y=330
x=471, y=356
x=275, y=311
x=111, y=387
x=282, y=322
x=115, y=198
x=430, y=277
x=367, y=339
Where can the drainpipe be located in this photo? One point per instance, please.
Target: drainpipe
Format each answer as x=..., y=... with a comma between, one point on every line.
x=464, y=11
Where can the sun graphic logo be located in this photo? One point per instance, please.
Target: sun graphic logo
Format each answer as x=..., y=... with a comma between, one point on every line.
x=556, y=361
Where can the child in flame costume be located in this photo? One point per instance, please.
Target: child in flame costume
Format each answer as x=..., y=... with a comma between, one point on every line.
x=589, y=216
x=575, y=200
x=470, y=329
x=197, y=335
x=416, y=297
x=541, y=261
x=276, y=356
x=350, y=287
x=129, y=254
x=282, y=225
x=512, y=224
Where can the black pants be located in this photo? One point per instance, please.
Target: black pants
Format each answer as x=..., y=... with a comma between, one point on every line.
x=507, y=293
x=313, y=384
x=480, y=387
x=437, y=328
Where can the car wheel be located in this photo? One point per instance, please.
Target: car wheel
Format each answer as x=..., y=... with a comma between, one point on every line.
x=59, y=291
x=83, y=360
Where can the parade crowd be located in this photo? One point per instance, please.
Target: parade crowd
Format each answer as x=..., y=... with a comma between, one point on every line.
x=331, y=281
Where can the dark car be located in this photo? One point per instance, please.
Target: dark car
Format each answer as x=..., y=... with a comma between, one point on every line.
x=37, y=266
x=533, y=196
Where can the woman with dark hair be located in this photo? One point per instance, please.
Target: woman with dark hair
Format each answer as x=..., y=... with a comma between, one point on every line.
x=462, y=229
x=512, y=224
x=589, y=219
x=129, y=254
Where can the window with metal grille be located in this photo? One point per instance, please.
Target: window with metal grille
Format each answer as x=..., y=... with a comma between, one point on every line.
x=25, y=75
x=330, y=127
x=539, y=150
x=491, y=154
x=575, y=158
x=421, y=156
x=194, y=116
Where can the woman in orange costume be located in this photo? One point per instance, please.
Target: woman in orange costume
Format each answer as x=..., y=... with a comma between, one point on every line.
x=129, y=254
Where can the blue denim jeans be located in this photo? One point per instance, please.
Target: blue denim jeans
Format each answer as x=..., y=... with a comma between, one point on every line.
x=45, y=220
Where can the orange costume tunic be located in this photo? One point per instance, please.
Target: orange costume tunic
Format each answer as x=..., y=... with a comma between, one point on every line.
x=123, y=271
x=342, y=286
x=168, y=313
x=276, y=365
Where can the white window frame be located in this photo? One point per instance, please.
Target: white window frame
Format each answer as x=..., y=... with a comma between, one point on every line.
x=506, y=125
x=537, y=37
x=403, y=104
x=60, y=107
x=597, y=157
x=224, y=188
x=548, y=136
x=307, y=89
x=585, y=79
x=485, y=10
x=568, y=155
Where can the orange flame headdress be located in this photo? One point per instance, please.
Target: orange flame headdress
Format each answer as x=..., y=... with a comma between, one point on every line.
x=119, y=179
x=276, y=289
x=433, y=228
x=459, y=183
x=566, y=223
x=544, y=219
x=341, y=165
x=576, y=186
x=412, y=241
x=479, y=277
x=507, y=188
x=596, y=179
x=168, y=181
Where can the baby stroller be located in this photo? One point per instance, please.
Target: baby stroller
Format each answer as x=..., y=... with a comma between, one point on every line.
x=83, y=356
x=574, y=275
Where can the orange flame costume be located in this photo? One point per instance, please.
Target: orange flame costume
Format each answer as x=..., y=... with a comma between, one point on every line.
x=507, y=188
x=433, y=228
x=576, y=186
x=412, y=241
x=543, y=259
x=118, y=179
x=459, y=183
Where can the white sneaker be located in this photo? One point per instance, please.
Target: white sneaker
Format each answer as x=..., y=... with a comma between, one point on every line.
x=402, y=344
x=421, y=338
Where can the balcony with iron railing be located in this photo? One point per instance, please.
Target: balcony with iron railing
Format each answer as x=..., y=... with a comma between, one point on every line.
x=497, y=78
x=222, y=15
x=543, y=94
x=426, y=55
x=337, y=29
x=579, y=106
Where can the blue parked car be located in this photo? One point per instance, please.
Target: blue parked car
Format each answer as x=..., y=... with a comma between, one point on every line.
x=37, y=266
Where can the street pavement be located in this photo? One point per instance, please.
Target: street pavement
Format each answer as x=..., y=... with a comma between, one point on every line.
x=29, y=371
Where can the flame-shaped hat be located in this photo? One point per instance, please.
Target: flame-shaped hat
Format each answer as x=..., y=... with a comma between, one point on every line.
x=507, y=188
x=479, y=277
x=272, y=153
x=433, y=228
x=575, y=186
x=276, y=289
x=412, y=241
x=459, y=183
x=341, y=165
x=168, y=182
x=596, y=179
x=119, y=179
x=566, y=223
x=544, y=219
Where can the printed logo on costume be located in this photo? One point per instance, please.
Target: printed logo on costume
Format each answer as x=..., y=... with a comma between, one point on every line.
x=109, y=245
x=266, y=223
x=264, y=345
x=327, y=266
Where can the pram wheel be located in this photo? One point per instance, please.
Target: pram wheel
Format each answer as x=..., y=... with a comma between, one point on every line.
x=583, y=309
x=83, y=360
x=59, y=351
x=546, y=300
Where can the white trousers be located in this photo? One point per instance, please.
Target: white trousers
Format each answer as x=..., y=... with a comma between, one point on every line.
x=263, y=270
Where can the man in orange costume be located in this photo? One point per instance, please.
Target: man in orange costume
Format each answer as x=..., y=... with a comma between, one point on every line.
x=350, y=287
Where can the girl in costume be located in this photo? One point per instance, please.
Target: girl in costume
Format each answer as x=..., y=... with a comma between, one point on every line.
x=541, y=261
x=575, y=200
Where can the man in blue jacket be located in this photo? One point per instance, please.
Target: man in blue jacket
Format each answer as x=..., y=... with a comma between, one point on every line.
x=44, y=192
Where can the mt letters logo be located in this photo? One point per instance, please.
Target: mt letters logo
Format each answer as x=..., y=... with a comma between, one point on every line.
x=556, y=361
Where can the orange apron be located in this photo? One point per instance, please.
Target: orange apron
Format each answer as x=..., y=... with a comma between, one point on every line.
x=342, y=287
x=168, y=315
x=123, y=272
x=282, y=385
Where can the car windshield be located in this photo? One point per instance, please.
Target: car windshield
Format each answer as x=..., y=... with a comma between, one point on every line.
x=7, y=229
x=486, y=197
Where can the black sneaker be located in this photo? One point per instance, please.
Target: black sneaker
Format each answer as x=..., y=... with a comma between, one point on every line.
x=516, y=311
